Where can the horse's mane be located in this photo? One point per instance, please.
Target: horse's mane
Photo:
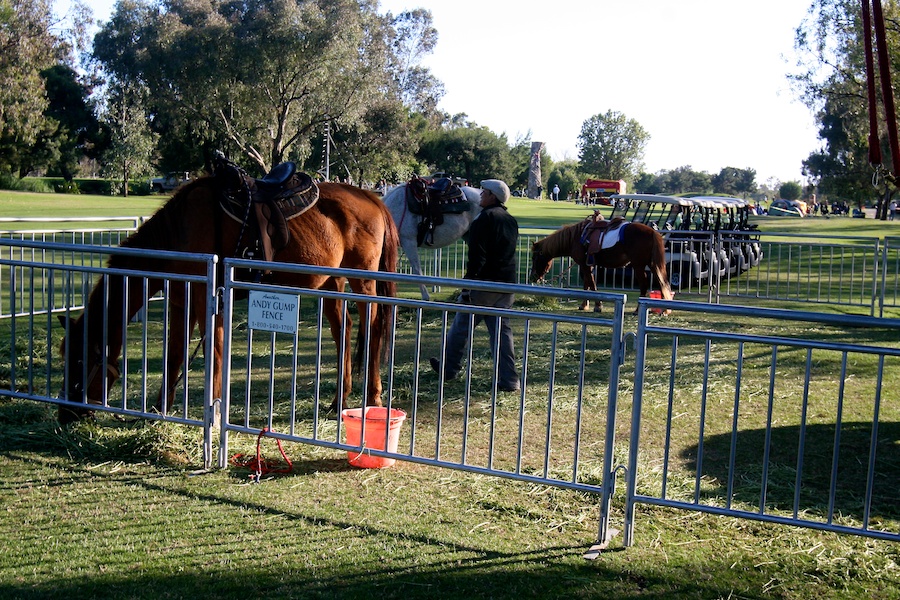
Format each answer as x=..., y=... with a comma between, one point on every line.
x=165, y=230
x=560, y=242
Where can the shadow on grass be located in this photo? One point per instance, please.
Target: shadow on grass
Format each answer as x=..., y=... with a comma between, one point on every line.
x=426, y=563
x=824, y=447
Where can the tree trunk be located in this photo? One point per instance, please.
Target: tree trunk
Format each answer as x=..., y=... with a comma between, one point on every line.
x=534, y=170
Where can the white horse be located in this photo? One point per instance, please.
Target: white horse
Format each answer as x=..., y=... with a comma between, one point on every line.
x=453, y=227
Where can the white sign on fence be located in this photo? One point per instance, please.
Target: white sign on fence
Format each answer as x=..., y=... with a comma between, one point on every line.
x=274, y=312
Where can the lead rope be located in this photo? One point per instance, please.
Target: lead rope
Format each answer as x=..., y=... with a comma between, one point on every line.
x=258, y=465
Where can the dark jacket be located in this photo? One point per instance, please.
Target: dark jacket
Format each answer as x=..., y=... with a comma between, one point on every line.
x=492, y=246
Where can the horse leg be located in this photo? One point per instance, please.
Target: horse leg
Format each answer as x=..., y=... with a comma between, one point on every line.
x=179, y=334
x=370, y=336
x=642, y=279
x=340, y=325
x=587, y=277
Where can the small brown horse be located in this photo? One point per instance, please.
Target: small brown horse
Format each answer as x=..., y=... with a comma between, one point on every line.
x=346, y=228
x=638, y=245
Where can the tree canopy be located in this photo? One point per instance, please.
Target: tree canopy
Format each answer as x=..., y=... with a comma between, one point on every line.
x=831, y=79
x=611, y=146
x=27, y=47
x=173, y=80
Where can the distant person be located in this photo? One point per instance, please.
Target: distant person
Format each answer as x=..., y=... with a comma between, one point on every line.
x=892, y=209
x=492, y=257
x=555, y=193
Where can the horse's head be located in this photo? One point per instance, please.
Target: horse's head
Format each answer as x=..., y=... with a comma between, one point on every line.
x=540, y=263
x=83, y=380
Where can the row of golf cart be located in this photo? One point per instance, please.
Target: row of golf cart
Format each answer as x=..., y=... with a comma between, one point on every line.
x=708, y=238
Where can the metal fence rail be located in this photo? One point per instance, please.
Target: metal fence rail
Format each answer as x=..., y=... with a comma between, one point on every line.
x=776, y=429
x=77, y=252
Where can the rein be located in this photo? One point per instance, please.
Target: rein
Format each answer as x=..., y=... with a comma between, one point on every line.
x=887, y=94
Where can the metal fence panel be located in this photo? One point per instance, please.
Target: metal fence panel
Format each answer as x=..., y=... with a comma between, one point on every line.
x=836, y=270
x=786, y=429
x=557, y=430
x=43, y=297
x=889, y=297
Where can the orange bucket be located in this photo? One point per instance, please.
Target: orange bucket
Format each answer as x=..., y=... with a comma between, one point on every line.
x=658, y=295
x=377, y=421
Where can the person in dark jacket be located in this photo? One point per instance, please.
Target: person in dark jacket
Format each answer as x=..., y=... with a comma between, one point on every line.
x=492, y=257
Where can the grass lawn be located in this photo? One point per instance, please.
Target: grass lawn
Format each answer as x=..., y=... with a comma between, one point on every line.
x=33, y=205
x=92, y=514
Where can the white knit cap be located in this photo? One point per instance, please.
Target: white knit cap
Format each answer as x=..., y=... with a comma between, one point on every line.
x=497, y=188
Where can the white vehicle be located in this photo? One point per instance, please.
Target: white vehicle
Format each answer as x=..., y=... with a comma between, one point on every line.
x=740, y=238
x=684, y=225
x=169, y=182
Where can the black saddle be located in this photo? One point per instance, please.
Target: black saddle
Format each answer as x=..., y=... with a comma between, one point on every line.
x=284, y=193
x=277, y=177
x=431, y=202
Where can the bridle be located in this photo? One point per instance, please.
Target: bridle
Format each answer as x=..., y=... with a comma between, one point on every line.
x=111, y=369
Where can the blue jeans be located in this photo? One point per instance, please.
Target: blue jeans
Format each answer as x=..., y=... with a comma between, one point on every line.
x=458, y=337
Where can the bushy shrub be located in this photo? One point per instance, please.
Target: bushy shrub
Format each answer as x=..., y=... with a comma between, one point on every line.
x=96, y=187
x=8, y=181
x=67, y=187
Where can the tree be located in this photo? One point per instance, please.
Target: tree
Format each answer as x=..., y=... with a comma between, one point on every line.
x=735, y=182
x=413, y=36
x=472, y=152
x=27, y=47
x=131, y=144
x=78, y=132
x=567, y=174
x=831, y=80
x=265, y=75
x=681, y=180
x=792, y=190
x=376, y=146
x=611, y=146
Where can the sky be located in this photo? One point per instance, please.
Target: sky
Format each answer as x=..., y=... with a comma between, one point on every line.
x=705, y=78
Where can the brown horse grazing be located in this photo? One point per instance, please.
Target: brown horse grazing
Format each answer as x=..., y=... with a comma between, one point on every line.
x=346, y=228
x=638, y=245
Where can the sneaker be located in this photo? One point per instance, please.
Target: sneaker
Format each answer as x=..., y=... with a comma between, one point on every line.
x=511, y=387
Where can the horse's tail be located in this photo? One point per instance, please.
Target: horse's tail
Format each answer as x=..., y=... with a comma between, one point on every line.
x=658, y=265
x=390, y=254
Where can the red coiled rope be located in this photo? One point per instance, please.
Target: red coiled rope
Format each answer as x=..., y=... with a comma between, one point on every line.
x=261, y=466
